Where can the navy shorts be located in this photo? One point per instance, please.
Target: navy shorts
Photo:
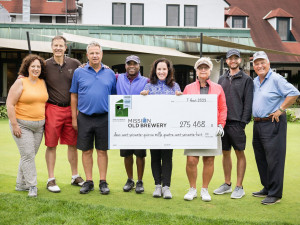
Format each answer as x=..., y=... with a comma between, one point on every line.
x=234, y=135
x=128, y=152
x=92, y=129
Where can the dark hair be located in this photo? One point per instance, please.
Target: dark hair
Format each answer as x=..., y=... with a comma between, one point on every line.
x=26, y=63
x=170, y=79
x=59, y=37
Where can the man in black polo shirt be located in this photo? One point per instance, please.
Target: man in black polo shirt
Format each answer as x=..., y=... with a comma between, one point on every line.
x=58, y=125
x=238, y=89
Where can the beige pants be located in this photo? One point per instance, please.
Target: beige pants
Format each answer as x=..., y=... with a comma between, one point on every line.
x=28, y=145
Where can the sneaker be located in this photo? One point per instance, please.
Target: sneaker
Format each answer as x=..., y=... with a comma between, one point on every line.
x=129, y=185
x=191, y=194
x=166, y=192
x=270, y=200
x=224, y=188
x=87, y=187
x=157, y=191
x=32, y=191
x=205, y=195
x=261, y=194
x=139, y=187
x=78, y=181
x=21, y=187
x=52, y=186
x=104, y=188
x=238, y=192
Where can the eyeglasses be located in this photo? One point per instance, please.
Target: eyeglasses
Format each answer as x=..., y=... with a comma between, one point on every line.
x=203, y=68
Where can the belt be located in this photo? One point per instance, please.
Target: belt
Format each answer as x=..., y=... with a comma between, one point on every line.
x=59, y=104
x=97, y=114
x=260, y=119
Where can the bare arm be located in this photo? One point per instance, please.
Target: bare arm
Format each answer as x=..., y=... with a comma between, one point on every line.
x=74, y=103
x=12, y=99
x=289, y=100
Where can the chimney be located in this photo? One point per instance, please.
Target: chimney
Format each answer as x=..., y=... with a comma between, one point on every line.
x=26, y=11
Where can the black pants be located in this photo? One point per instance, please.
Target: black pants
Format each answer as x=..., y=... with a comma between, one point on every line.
x=269, y=144
x=161, y=164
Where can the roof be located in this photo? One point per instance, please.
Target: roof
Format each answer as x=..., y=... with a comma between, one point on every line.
x=262, y=32
x=151, y=36
x=39, y=6
x=235, y=11
x=277, y=13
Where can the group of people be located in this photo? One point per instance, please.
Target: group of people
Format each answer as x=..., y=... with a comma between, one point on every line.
x=69, y=102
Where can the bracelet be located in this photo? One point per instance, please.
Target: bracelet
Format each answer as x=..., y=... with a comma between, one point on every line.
x=281, y=110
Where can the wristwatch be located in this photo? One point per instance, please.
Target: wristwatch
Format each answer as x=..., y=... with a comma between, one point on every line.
x=282, y=110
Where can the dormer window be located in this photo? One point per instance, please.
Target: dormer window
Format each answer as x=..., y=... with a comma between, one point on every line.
x=283, y=28
x=281, y=21
x=238, y=22
x=236, y=18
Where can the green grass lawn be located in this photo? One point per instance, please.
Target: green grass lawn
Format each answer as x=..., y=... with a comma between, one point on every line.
x=69, y=207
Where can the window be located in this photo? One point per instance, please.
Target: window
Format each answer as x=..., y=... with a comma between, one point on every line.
x=137, y=14
x=119, y=13
x=239, y=22
x=283, y=28
x=45, y=19
x=190, y=16
x=172, y=15
x=13, y=19
x=60, y=19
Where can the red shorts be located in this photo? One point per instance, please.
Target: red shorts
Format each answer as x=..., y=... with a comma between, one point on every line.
x=58, y=125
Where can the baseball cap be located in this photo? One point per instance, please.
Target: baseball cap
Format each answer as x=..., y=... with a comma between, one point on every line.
x=133, y=58
x=204, y=60
x=232, y=52
x=260, y=55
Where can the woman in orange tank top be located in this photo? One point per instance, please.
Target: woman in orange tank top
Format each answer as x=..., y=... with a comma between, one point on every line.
x=26, y=112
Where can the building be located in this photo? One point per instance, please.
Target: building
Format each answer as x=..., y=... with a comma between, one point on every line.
x=42, y=11
x=273, y=25
x=155, y=38
x=179, y=13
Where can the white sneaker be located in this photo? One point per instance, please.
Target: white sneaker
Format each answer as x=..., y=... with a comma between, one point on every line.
x=166, y=192
x=32, y=191
x=205, y=195
x=191, y=194
x=157, y=191
x=238, y=192
x=52, y=186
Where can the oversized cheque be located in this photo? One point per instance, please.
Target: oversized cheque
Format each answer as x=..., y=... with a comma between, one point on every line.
x=163, y=122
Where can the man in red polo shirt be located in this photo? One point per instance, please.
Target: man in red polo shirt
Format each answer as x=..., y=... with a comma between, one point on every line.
x=58, y=125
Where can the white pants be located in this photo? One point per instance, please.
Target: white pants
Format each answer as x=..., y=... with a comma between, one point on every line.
x=28, y=145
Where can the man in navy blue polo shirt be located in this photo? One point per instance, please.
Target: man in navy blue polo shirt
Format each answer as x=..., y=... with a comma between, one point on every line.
x=91, y=86
x=132, y=83
x=272, y=96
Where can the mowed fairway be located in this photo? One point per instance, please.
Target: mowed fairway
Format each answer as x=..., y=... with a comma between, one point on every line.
x=70, y=207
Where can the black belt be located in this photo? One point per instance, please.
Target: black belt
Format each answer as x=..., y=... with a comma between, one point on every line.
x=260, y=119
x=97, y=114
x=59, y=104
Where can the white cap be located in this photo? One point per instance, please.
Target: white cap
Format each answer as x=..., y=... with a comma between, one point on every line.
x=260, y=55
x=204, y=60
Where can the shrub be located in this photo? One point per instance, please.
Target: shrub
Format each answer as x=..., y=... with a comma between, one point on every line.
x=290, y=115
x=3, y=112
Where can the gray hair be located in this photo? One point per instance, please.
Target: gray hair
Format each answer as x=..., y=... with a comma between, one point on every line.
x=93, y=44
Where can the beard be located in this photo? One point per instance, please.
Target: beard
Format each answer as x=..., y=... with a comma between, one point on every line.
x=233, y=67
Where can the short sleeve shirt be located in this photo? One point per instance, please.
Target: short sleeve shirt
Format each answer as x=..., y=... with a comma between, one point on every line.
x=59, y=79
